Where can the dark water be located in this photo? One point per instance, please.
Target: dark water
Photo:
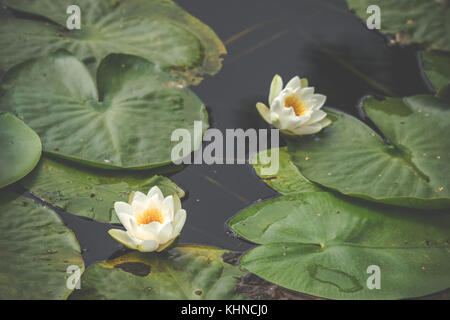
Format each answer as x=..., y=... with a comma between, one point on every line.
x=317, y=39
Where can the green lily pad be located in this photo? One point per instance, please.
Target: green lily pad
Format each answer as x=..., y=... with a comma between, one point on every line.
x=186, y=272
x=21, y=149
x=91, y=192
x=35, y=251
x=319, y=244
x=410, y=168
x=288, y=179
x=436, y=66
x=423, y=22
x=157, y=30
x=127, y=123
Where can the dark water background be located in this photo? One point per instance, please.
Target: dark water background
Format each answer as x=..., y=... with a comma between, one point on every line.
x=317, y=39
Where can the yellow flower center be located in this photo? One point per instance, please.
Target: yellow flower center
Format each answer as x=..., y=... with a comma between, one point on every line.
x=295, y=103
x=149, y=215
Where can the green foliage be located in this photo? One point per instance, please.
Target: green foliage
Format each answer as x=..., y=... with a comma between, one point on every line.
x=157, y=30
x=35, y=250
x=186, y=272
x=126, y=123
x=423, y=22
x=407, y=165
x=320, y=244
x=20, y=149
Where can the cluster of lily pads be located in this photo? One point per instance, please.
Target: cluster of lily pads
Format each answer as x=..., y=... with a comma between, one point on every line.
x=356, y=195
x=84, y=115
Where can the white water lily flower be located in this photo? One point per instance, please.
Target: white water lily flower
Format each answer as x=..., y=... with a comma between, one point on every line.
x=152, y=222
x=294, y=110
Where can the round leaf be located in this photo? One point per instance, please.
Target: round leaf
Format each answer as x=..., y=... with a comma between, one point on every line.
x=409, y=166
x=20, y=149
x=186, y=272
x=319, y=244
x=127, y=124
x=156, y=30
x=423, y=22
x=436, y=66
x=288, y=179
x=36, y=250
x=91, y=192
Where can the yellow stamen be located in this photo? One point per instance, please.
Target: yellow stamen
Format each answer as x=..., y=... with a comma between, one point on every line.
x=295, y=103
x=149, y=215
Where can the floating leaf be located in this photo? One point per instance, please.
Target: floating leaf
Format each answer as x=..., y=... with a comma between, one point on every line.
x=127, y=123
x=437, y=68
x=35, y=251
x=319, y=244
x=410, y=167
x=423, y=22
x=91, y=192
x=157, y=30
x=20, y=149
x=288, y=179
x=186, y=272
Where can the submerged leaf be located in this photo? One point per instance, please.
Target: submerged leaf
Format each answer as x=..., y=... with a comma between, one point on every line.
x=186, y=272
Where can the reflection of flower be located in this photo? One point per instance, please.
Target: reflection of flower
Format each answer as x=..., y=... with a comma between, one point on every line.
x=295, y=109
x=152, y=222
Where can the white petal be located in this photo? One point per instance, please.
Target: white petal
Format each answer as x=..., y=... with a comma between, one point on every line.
x=148, y=246
x=277, y=105
x=263, y=111
x=294, y=83
x=139, y=197
x=122, y=237
x=274, y=118
x=168, y=208
x=180, y=219
x=155, y=191
x=125, y=220
x=123, y=207
x=176, y=203
x=316, y=116
x=318, y=101
x=165, y=233
x=133, y=227
x=311, y=129
x=275, y=88
x=306, y=93
x=148, y=231
x=325, y=122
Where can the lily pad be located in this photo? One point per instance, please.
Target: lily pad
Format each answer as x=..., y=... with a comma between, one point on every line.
x=157, y=30
x=288, y=179
x=186, y=272
x=407, y=164
x=423, y=22
x=319, y=244
x=35, y=251
x=126, y=123
x=21, y=149
x=89, y=192
x=436, y=66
